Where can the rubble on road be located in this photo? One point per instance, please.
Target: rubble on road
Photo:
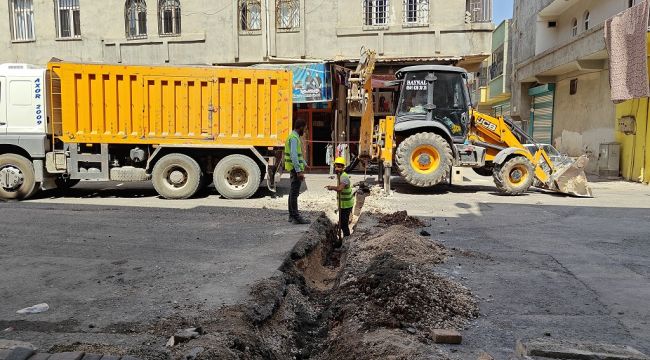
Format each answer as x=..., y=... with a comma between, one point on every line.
x=401, y=218
x=378, y=297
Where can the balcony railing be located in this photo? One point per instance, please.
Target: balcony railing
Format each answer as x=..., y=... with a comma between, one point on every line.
x=478, y=11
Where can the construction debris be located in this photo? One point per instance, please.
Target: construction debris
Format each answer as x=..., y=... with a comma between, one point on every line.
x=401, y=218
x=446, y=336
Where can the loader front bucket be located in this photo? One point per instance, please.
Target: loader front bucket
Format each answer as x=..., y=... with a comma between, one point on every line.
x=570, y=178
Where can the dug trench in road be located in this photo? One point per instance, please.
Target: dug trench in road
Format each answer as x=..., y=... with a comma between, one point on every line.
x=377, y=296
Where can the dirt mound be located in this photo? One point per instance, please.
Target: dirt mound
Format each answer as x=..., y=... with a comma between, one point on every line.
x=401, y=218
x=401, y=242
x=394, y=294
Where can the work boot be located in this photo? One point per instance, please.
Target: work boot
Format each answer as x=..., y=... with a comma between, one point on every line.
x=301, y=221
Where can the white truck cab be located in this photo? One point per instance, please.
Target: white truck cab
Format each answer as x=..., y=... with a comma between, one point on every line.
x=23, y=128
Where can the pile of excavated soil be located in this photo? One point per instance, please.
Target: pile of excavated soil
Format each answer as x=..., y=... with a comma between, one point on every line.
x=402, y=243
x=401, y=218
x=392, y=293
x=377, y=297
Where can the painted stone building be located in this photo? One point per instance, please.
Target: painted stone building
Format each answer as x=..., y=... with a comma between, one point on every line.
x=246, y=32
x=560, y=78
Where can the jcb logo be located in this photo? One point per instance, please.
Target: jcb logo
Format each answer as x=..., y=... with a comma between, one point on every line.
x=486, y=124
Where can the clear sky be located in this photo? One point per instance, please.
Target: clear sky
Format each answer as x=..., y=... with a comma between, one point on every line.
x=502, y=10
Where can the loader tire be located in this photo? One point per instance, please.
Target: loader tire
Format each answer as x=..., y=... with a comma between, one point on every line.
x=176, y=176
x=237, y=177
x=18, y=177
x=515, y=176
x=424, y=159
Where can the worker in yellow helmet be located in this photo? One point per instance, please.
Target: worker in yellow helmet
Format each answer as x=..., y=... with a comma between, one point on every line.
x=346, y=199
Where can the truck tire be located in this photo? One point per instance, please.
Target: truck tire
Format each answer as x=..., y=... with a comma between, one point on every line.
x=176, y=176
x=515, y=176
x=424, y=159
x=237, y=177
x=17, y=177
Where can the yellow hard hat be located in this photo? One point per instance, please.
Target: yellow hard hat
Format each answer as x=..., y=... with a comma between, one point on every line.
x=340, y=161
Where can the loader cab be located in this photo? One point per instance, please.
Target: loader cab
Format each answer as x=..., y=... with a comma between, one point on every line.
x=434, y=95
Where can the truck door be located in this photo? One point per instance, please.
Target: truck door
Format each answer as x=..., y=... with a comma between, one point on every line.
x=3, y=106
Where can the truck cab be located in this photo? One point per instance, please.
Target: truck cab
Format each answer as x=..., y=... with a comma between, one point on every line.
x=23, y=128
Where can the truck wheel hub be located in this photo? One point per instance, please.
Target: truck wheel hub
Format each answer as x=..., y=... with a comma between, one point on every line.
x=177, y=177
x=11, y=178
x=237, y=177
x=516, y=175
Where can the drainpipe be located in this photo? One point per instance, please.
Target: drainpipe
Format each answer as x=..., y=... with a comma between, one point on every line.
x=267, y=30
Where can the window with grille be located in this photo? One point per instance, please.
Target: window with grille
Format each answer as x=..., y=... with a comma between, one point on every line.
x=136, y=19
x=22, y=20
x=250, y=15
x=68, y=23
x=479, y=11
x=375, y=12
x=169, y=17
x=416, y=12
x=586, y=20
x=287, y=13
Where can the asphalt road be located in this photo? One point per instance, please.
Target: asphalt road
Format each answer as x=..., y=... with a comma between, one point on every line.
x=104, y=269
x=544, y=265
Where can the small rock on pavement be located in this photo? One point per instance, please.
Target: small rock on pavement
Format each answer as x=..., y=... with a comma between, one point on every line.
x=446, y=336
x=484, y=356
x=184, y=336
x=425, y=233
x=13, y=344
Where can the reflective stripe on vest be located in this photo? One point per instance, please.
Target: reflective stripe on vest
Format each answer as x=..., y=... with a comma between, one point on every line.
x=347, y=200
x=288, y=164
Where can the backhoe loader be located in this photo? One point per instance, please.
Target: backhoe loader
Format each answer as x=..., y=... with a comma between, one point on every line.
x=436, y=127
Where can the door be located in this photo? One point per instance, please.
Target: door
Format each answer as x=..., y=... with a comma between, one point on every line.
x=541, y=117
x=3, y=106
x=321, y=136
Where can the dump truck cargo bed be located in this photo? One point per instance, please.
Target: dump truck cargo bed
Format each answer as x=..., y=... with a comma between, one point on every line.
x=117, y=104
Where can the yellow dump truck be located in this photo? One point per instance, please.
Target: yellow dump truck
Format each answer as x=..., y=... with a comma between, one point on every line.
x=180, y=127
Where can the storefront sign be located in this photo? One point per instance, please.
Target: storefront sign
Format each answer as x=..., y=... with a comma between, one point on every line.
x=311, y=82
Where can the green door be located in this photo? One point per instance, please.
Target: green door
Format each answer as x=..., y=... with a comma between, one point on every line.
x=541, y=113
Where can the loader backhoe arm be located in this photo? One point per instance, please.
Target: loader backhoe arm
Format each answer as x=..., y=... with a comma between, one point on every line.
x=360, y=102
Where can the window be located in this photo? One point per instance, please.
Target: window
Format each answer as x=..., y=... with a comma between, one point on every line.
x=250, y=15
x=375, y=12
x=169, y=17
x=416, y=11
x=478, y=11
x=496, y=68
x=574, y=27
x=136, y=19
x=586, y=20
x=22, y=20
x=287, y=14
x=68, y=24
x=573, y=87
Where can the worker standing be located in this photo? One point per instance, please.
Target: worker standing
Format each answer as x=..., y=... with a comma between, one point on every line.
x=344, y=190
x=294, y=162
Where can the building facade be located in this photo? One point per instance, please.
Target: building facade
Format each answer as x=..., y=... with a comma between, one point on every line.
x=495, y=74
x=247, y=32
x=560, y=85
x=243, y=31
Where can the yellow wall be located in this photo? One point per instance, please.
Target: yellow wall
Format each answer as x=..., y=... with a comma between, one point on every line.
x=635, y=149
